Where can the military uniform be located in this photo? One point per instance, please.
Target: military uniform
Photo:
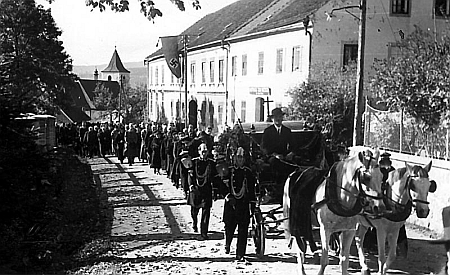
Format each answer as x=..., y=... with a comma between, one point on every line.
x=200, y=180
x=241, y=188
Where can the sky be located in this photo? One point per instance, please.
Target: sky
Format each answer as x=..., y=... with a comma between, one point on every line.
x=89, y=37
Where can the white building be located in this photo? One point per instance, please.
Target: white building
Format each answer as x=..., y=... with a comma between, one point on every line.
x=243, y=58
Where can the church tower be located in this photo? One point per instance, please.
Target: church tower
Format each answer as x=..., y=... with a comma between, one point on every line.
x=115, y=71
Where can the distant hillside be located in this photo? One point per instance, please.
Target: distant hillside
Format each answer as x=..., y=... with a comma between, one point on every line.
x=138, y=73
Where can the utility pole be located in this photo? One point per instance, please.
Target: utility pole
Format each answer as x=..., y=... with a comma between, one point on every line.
x=186, y=122
x=359, y=99
x=120, y=97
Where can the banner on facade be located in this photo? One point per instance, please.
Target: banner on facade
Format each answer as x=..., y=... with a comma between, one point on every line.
x=170, y=51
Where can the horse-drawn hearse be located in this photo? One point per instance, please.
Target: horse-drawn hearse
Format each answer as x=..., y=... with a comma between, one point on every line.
x=343, y=195
x=310, y=151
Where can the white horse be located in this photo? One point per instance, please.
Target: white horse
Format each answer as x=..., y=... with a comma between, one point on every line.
x=407, y=187
x=352, y=185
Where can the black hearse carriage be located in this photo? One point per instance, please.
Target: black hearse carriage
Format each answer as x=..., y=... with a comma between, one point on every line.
x=310, y=151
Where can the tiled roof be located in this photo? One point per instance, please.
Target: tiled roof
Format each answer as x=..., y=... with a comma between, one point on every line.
x=72, y=114
x=89, y=86
x=247, y=17
x=295, y=12
x=115, y=65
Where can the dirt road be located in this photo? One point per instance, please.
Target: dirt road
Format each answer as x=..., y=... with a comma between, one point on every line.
x=152, y=233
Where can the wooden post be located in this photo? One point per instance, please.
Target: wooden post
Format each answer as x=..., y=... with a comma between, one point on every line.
x=359, y=99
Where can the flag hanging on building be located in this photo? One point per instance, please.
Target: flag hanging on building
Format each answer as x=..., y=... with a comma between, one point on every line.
x=170, y=51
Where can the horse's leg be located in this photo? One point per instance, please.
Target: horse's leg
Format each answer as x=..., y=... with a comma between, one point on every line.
x=392, y=239
x=359, y=239
x=324, y=239
x=300, y=256
x=381, y=241
x=346, y=239
x=313, y=247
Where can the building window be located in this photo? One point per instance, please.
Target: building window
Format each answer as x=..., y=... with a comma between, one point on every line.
x=192, y=73
x=221, y=71
x=400, y=7
x=220, y=112
x=233, y=65
x=442, y=7
x=203, y=72
x=171, y=108
x=162, y=74
x=172, y=77
x=350, y=54
x=151, y=101
x=260, y=62
x=211, y=71
x=244, y=64
x=156, y=76
x=243, y=110
x=233, y=108
x=296, y=58
x=151, y=75
x=279, y=64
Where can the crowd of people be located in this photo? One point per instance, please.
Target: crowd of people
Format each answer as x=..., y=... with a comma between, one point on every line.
x=190, y=158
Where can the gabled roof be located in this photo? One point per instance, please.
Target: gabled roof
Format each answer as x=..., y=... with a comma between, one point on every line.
x=71, y=115
x=246, y=17
x=82, y=94
x=89, y=86
x=115, y=65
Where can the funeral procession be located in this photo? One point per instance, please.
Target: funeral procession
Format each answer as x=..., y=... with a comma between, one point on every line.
x=225, y=137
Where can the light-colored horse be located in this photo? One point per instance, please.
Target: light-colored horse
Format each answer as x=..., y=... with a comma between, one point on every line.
x=352, y=185
x=407, y=187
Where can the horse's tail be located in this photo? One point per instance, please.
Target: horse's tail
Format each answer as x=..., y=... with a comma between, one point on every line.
x=301, y=188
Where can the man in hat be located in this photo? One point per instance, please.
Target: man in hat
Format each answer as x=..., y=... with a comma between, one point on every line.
x=277, y=138
x=277, y=145
x=446, y=239
x=200, y=179
x=240, y=184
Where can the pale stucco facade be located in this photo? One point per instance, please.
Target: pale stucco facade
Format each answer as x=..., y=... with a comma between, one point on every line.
x=329, y=38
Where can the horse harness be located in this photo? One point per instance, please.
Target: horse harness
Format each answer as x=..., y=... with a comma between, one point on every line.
x=331, y=195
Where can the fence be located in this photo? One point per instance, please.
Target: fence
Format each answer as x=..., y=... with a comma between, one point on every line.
x=398, y=132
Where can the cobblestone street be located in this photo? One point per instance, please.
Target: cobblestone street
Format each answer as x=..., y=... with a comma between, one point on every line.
x=152, y=230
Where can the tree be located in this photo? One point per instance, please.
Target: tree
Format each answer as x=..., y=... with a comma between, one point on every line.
x=134, y=102
x=104, y=100
x=148, y=7
x=327, y=99
x=418, y=80
x=34, y=67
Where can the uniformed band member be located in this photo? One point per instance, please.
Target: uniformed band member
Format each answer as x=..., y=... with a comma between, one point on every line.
x=201, y=176
x=241, y=188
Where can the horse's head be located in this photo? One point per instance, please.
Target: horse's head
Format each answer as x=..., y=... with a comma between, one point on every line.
x=370, y=180
x=419, y=185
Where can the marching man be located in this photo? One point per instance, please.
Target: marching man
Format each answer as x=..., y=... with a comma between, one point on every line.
x=241, y=195
x=201, y=176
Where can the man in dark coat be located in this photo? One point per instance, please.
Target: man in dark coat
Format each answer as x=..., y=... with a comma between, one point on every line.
x=200, y=179
x=238, y=203
x=277, y=138
x=278, y=146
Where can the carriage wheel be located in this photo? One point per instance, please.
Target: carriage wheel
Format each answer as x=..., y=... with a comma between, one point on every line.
x=258, y=233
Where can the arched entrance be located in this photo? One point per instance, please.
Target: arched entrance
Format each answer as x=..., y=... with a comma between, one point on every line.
x=259, y=109
x=193, y=113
